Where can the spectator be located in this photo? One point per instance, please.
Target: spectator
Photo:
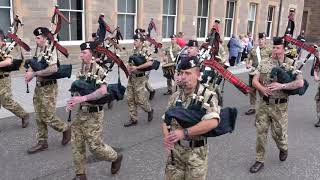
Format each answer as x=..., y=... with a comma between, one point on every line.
x=233, y=46
x=180, y=40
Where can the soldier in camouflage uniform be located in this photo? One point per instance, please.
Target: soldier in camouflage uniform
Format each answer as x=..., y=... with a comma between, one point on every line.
x=171, y=53
x=260, y=53
x=5, y=91
x=189, y=159
x=45, y=97
x=88, y=124
x=317, y=97
x=136, y=83
x=273, y=108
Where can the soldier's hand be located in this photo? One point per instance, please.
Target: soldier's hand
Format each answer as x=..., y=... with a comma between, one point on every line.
x=275, y=86
x=266, y=91
x=28, y=76
x=132, y=69
x=74, y=101
x=169, y=145
x=176, y=135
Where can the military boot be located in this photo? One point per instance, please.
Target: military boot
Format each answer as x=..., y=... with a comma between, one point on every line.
x=317, y=124
x=115, y=166
x=66, y=137
x=257, y=166
x=80, y=177
x=41, y=146
x=150, y=115
x=25, y=121
x=152, y=93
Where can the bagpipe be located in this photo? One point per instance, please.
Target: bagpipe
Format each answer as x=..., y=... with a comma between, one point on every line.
x=5, y=50
x=87, y=84
x=194, y=112
x=52, y=44
x=138, y=59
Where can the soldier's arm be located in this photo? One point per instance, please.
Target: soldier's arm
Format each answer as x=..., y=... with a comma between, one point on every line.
x=255, y=82
x=145, y=65
x=97, y=94
x=51, y=69
x=249, y=60
x=6, y=62
x=297, y=83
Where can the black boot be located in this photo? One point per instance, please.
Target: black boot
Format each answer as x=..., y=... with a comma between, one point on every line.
x=152, y=93
x=150, y=115
x=131, y=123
x=317, y=124
x=283, y=155
x=257, y=166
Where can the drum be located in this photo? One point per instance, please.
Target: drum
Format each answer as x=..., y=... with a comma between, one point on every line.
x=169, y=70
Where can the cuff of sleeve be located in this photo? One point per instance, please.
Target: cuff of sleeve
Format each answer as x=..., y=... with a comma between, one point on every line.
x=212, y=115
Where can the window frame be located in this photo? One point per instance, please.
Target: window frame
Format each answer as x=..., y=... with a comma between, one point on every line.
x=75, y=42
x=175, y=21
x=232, y=19
x=271, y=22
x=11, y=11
x=203, y=17
x=254, y=18
x=130, y=40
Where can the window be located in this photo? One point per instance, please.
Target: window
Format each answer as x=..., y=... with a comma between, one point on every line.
x=269, y=21
x=228, y=28
x=252, y=18
x=169, y=18
x=202, y=19
x=72, y=10
x=126, y=17
x=5, y=14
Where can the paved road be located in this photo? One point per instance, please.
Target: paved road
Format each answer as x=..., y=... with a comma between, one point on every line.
x=144, y=157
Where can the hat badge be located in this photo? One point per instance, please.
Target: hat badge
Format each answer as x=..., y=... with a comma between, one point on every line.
x=39, y=31
x=88, y=45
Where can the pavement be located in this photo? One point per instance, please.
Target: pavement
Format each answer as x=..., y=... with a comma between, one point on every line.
x=230, y=156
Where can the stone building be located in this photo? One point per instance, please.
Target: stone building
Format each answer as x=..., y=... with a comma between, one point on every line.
x=193, y=17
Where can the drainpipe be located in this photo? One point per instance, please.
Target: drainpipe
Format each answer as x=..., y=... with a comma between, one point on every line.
x=279, y=17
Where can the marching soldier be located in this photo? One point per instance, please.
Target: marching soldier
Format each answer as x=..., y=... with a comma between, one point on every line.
x=136, y=83
x=45, y=97
x=5, y=91
x=189, y=149
x=88, y=124
x=317, y=97
x=260, y=53
x=147, y=47
x=273, y=108
x=170, y=54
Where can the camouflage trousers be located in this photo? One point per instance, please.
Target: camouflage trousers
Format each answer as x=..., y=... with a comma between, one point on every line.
x=253, y=94
x=147, y=84
x=190, y=164
x=87, y=129
x=317, y=99
x=276, y=116
x=6, y=98
x=44, y=102
x=136, y=96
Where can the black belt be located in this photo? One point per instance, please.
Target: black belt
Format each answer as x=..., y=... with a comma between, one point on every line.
x=274, y=101
x=91, y=109
x=45, y=83
x=3, y=76
x=192, y=143
x=139, y=74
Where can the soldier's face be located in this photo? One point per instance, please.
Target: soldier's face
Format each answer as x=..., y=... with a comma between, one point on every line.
x=86, y=56
x=40, y=40
x=173, y=40
x=189, y=77
x=137, y=43
x=193, y=51
x=277, y=51
x=262, y=42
